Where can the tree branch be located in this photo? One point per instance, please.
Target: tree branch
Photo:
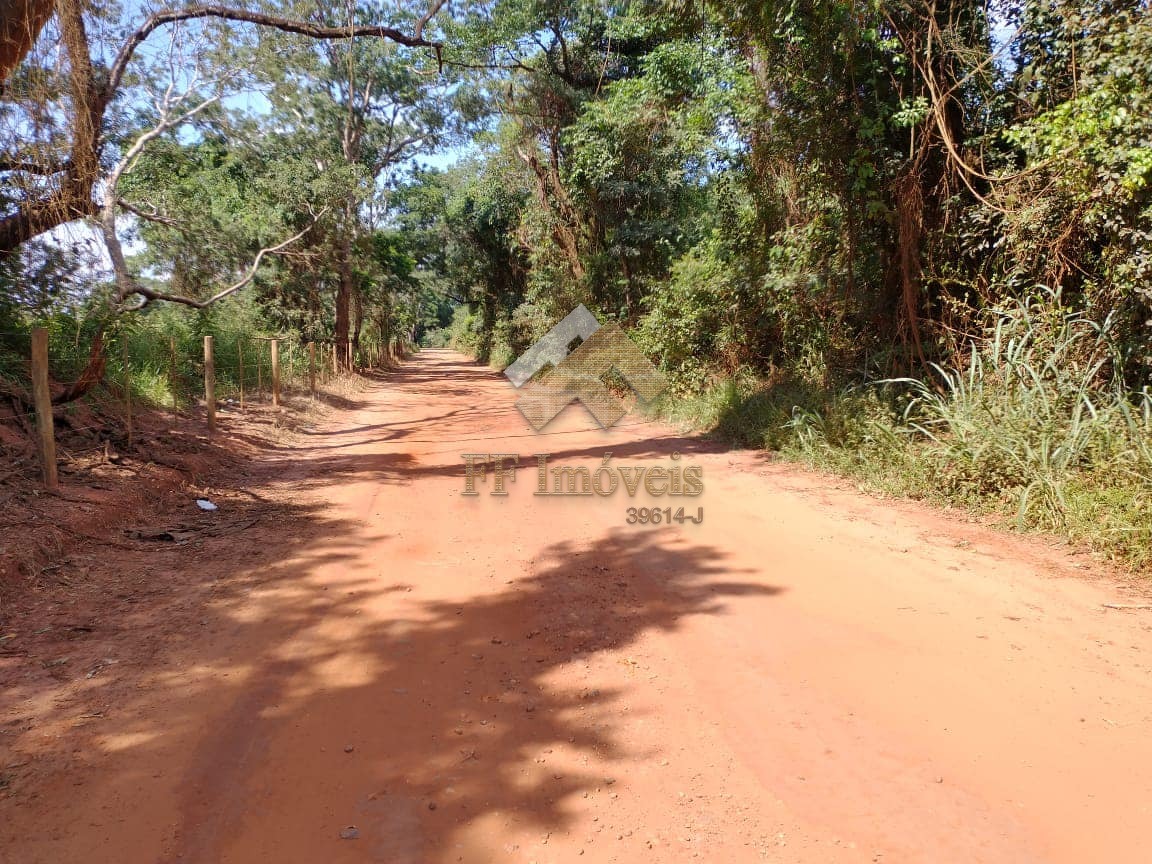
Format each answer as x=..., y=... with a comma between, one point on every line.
x=73, y=199
x=14, y=162
x=35, y=217
x=287, y=25
x=149, y=295
x=154, y=216
x=20, y=24
x=166, y=122
x=428, y=16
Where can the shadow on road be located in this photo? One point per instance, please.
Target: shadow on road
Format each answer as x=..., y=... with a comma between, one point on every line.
x=453, y=717
x=309, y=688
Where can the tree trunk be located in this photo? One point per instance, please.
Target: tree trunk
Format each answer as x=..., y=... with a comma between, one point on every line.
x=357, y=321
x=92, y=375
x=344, y=291
x=487, y=322
x=73, y=198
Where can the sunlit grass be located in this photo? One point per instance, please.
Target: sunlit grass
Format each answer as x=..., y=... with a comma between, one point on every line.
x=1036, y=427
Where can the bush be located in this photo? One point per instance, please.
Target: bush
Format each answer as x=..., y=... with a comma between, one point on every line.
x=1038, y=426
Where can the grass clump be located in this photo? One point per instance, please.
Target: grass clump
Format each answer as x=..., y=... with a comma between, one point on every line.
x=1037, y=426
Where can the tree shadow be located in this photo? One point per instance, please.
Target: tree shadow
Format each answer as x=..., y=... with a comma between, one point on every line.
x=330, y=690
x=459, y=714
x=452, y=712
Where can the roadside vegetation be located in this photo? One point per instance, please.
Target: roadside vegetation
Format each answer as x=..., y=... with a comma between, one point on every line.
x=1035, y=428
x=910, y=242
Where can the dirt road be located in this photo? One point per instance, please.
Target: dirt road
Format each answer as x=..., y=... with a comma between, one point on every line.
x=807, y=676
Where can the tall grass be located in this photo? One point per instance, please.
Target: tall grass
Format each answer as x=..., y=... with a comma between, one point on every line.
x=1036, y=425
x=159, y=353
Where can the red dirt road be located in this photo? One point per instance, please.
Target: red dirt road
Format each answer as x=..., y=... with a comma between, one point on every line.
x=808, y=676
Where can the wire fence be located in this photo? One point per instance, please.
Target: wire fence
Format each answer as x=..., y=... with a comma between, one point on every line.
x=112, y=375
x=16, y=344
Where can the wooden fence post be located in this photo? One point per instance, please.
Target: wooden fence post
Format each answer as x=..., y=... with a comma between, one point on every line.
x=46, y=435
x=275, y=373
x=127, y=391
x=312, y=368
x=240, y=355
x=173, y=377
x=335, y=362
x=210, y=383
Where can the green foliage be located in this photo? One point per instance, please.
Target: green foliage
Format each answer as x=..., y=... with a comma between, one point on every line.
x=463, y=223
x=1038, y=426
x=1086, y=218
x=685, y=328
x=241, y=199
x=166, y=352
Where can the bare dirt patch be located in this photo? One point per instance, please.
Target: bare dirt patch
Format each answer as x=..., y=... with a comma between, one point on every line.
x=99, y=578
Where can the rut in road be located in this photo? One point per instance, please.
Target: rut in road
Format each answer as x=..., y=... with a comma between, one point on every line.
x=387, y=670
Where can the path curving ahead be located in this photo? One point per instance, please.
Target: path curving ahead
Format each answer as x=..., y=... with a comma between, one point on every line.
x=808, y=676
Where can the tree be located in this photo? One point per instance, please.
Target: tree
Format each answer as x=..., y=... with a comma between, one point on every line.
x=359, y=108
x=78, y=132
x=48, y=177
x=465, y=228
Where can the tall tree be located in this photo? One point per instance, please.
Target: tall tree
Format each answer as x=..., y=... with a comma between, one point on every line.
x=362, y=108
x=62, y=104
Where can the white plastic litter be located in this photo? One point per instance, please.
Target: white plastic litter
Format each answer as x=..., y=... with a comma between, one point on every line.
x=205, y=504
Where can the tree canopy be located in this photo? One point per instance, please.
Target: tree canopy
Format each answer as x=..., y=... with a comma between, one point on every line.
x=851, y=186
